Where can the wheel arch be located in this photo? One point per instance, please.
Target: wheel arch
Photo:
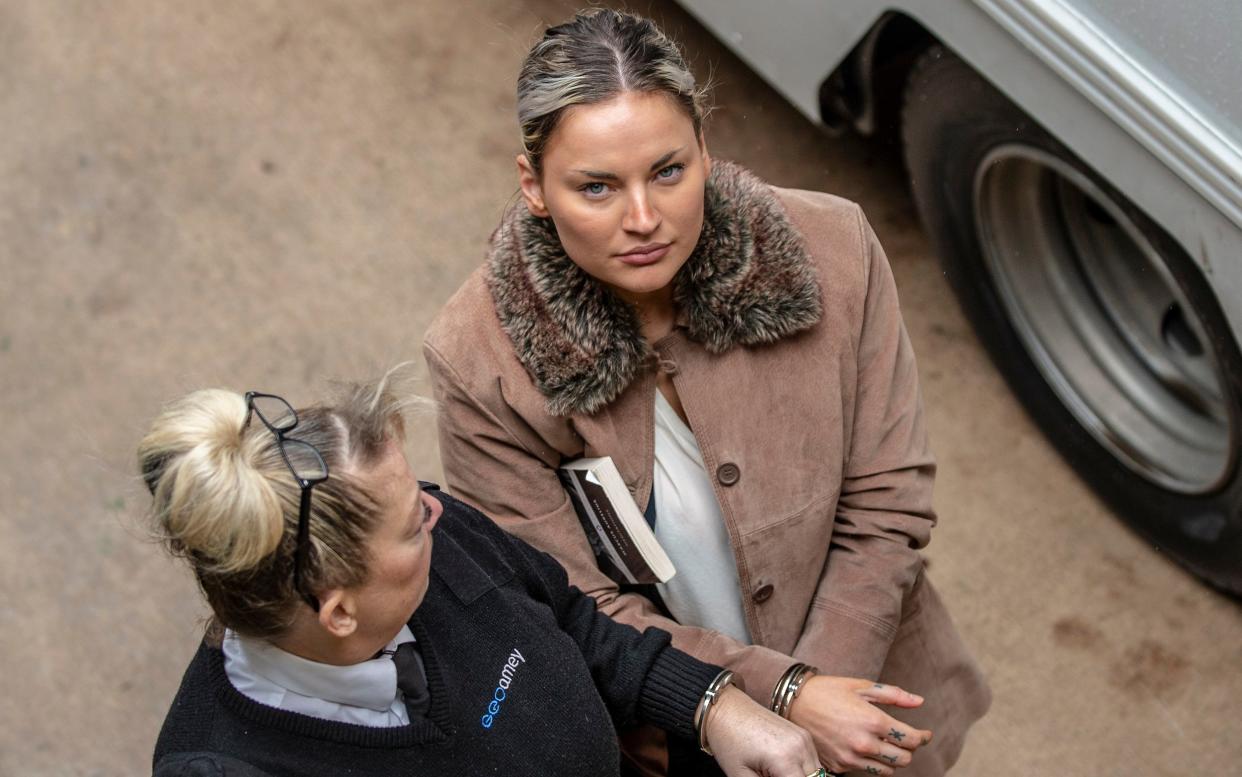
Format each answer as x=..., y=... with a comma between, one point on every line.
x=863, y=93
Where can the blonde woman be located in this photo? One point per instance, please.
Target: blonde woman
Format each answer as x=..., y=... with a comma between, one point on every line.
x=366, y=623
x=738, y=350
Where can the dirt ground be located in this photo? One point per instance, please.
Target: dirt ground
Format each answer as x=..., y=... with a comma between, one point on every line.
x=265, y=194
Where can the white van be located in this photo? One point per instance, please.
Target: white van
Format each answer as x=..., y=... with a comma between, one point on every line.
x=1078, y=166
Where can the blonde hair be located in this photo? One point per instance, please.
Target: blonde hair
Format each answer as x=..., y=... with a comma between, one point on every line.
x=224, y=499
x=595, y=56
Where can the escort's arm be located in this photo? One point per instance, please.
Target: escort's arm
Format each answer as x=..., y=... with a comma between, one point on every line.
x=640, y=676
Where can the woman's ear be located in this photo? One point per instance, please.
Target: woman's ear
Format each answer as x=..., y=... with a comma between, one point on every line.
x=338, y=613
x=532, y=190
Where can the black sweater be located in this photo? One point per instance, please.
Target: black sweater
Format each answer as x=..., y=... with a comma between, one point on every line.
x=526, y=678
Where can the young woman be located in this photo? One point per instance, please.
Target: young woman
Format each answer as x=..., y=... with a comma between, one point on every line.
x=342, y=644
x=738, y=351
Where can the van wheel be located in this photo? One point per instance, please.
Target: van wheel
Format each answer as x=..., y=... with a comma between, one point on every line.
x=1099, y=321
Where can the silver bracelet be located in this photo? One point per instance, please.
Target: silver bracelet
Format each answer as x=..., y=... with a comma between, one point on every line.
x=778, y=692
x=710, y=697
x=789, y=686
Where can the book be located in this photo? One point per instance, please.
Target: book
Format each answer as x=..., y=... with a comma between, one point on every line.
x=626, y=548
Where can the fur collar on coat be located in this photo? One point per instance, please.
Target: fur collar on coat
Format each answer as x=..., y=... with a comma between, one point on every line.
x=749, y=281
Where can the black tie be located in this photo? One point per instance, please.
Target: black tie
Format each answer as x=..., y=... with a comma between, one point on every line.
x=412, y=679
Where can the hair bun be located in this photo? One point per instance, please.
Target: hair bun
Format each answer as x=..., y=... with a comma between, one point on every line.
x=212, y=495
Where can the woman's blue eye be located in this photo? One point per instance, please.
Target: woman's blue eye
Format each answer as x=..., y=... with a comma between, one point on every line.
x=595, y=187
x=670, y=172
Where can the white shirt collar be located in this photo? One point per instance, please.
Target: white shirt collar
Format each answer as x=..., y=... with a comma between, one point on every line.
x=371, y=684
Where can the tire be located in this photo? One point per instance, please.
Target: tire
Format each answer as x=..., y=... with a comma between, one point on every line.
x=1101, y=324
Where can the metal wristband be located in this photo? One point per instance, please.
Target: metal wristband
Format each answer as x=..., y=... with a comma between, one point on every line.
x=710, y=697
x=789, y=686
x=778, y=692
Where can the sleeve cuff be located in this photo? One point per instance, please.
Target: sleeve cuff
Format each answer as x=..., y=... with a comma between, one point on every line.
x=672, y=691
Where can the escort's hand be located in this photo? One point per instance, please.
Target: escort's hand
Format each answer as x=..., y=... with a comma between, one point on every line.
x=850, y=732
x=748, y=740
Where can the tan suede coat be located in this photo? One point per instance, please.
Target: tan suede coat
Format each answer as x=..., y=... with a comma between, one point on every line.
x=820, y=460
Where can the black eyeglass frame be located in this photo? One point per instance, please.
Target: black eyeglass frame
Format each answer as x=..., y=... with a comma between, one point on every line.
x=306, y=484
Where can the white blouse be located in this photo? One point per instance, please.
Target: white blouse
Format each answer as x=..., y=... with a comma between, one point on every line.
x=705, y=592
x=365, y=693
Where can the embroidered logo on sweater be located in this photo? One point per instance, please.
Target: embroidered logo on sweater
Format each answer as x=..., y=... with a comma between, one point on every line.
x=501, y=693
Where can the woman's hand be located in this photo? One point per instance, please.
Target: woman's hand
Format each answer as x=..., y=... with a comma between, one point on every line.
x=748, y=740
x=850, y=732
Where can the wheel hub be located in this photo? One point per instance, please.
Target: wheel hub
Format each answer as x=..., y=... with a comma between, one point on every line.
x=1105, y=321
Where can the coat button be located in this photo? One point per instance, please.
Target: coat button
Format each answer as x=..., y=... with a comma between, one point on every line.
x=632, y=487
x=728, y=473
x=762, y=593
x=668, y=367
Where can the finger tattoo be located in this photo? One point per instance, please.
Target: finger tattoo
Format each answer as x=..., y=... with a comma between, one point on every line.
x=872, y=770
x=880, y=686
x=892, y=759
x=895, y=734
